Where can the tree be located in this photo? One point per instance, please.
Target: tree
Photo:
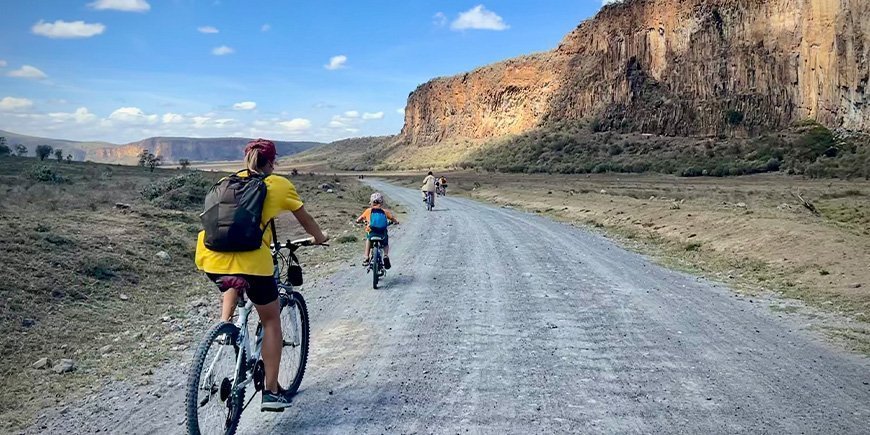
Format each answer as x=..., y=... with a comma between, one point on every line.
x=154, y=161
x=4, y=148
x=58, y=154
x=143, y=157
x=69, y=158
x=43, y=151
x=21, y=150
x=184, y=163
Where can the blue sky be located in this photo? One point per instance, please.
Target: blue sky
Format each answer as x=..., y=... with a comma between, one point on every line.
x=123, y=70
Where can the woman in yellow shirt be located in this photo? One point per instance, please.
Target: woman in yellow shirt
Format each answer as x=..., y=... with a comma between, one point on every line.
x=256, y=267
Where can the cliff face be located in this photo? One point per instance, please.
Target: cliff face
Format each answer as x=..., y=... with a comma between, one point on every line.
x=675, y=67
x=195, y=149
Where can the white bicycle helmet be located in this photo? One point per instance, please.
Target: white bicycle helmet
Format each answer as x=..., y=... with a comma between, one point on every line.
x=377, y=198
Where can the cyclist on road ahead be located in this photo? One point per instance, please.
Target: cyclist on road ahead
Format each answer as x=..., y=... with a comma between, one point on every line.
x=428, y=187
x=442, y=182
x=378, y=228
x=255, y=268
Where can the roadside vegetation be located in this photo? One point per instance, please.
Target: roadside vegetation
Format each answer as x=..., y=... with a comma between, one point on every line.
x=101, y=284
x=807, y=149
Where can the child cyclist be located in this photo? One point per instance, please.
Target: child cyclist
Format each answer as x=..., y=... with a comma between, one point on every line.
x=377, y=219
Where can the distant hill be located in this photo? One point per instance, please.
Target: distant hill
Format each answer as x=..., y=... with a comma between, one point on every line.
x=355, y=154
x=76, y=148
x=170, y=148
x=195, y=149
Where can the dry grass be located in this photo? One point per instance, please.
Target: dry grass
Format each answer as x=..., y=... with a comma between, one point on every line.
x=69, y=254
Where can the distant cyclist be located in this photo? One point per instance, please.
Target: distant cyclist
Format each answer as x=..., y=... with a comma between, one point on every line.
x=254, y=268
x=377, y=219
x=442, y=183
x=428, y=187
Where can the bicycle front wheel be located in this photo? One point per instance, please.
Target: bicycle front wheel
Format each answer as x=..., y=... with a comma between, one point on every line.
x=212, y=406
x=294, y=329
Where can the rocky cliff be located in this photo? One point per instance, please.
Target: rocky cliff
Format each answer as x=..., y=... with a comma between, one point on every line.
x=674, y=67
x=194, y=149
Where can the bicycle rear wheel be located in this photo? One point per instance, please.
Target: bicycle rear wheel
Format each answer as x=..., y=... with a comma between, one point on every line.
x=376, y=266
x=294, y=329
x=212, y=407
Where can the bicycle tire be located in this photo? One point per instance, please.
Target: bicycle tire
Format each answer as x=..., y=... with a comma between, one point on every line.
x=235, y=402
x=376, y=263
x=294, y=299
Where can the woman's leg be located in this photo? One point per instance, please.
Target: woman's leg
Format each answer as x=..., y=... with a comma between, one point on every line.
x=229, y=304
x=272, y=342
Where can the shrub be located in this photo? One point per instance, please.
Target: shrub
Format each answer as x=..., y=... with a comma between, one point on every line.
x=45, y=174
x=181, y=192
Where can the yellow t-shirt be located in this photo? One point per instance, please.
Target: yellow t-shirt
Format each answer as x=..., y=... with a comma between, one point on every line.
x=281, y=196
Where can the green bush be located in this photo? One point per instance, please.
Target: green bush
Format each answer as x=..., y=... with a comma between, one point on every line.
x=181, y=192
x=45, y=174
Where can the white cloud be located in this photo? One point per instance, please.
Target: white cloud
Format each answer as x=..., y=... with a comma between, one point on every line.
x=439, y=19
x=296, y=125
x=265, y=27
x=67, y=29
x=80, y=116
x=401, y=111
x=200, y=121
x=27, y=72
x=2, y=63
x=12, y=103
x=245, y=105
x=224, y=122
x=479, y=18
x=336, y=62
x=172, y=118
x=375, y=115
x=351, y=114
x=207, y=29
x=132, y=115
x=121, y=5
x=222, y=50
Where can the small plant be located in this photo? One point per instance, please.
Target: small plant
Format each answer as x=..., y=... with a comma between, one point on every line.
x=58, y=154
x=348, y=238
x=693, y=246
x=184, y=163
x=20, y=150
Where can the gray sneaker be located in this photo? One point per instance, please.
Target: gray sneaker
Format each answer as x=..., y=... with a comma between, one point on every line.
x=275, y=402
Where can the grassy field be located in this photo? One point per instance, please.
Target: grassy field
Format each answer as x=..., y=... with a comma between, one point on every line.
x=751, y=232
x=98, y=261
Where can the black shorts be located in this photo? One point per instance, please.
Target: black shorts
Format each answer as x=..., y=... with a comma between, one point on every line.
x=262, y=290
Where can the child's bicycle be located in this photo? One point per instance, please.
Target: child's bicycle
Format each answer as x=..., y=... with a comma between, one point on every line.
x=227, y=360
x=376, y=264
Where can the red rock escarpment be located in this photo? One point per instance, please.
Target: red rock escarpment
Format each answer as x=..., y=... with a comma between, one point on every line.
x=675, y=67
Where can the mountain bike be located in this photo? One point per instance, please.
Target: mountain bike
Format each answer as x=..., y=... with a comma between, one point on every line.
x=228, y=358
x=376, y=264
x=430, y=201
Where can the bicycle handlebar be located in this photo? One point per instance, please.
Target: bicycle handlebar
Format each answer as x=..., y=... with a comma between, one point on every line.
x=293, y=245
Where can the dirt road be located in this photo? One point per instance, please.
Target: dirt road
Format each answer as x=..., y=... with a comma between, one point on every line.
x=496, y=321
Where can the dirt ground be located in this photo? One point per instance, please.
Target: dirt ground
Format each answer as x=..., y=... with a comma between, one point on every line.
x=751, y=232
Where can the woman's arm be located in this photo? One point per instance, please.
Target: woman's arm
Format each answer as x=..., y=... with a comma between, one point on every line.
x=310, y=225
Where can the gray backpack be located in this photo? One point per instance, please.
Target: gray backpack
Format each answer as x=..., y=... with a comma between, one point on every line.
x=232, y=213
